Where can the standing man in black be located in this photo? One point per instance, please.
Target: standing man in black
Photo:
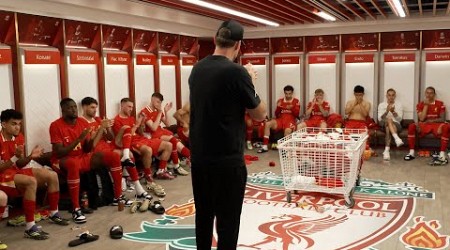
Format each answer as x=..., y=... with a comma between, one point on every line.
x=220, y=93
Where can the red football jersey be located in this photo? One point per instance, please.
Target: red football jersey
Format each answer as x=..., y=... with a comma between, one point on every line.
x=287, y=108
x=150, y=114
x=434, y=110
x=316, y=113
x=119, y=122
x=95, y=125
x=65, y=134
x=8, y=148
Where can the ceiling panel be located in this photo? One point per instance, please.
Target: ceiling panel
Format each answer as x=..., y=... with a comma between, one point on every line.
x=297, y=12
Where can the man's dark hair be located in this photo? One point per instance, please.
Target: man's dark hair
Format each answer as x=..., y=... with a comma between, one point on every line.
x=288, y=88
x=358, y=89
x=88, y=101
x=126, y=99
x=223, y=39
x=65, y=101
x=432, y=88
x=9, y=114
x=158, y=95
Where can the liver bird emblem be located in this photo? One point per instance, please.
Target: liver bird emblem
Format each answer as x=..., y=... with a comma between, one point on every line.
x=294, y=229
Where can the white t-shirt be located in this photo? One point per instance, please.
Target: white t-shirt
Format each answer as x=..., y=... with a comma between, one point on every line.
x=398, y=108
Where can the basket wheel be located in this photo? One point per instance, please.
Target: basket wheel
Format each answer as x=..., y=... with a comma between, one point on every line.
x=358, y=181
x=288, y=196
x=351, y=203
x=352, y=192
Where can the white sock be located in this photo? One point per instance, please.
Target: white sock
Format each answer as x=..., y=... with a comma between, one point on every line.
x=53, y=212
x=265, y=147
x=442, y=154
x=396, y=136
x=160, y=171
x=29, y=225
x=126, y=154
x=386, y=149
x=138, y=186
x=124, y=184
x=411, y=152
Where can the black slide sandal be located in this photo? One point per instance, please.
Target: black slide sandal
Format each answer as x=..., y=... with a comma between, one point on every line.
x=83, y=238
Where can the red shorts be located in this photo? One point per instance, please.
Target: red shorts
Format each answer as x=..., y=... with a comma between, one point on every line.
x=182, y=135
x=7, y=184
x=153, y=143
x=285, y=123
x=83, y=161
x=427, y=128
x=104, y=146
x=315, y=123
x=355, y=124
x=160, y=132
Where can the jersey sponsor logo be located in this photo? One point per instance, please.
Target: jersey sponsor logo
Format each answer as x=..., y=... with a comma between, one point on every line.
x=269, y=222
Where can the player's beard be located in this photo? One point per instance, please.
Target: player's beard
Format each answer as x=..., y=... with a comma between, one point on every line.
x=72, y=116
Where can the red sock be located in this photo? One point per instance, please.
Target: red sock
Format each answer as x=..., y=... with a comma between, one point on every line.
x=444, y=137
x=162, y=164
x=174, y=157
x=133, y=173
x=126, y=138
x=266, y=140
x=148, y=171
x=112, y=160
x=185, y=152
x=53, y=199
x=74, y=191
x=73, y=181
x=411, y=135
x=2, y=210
x=28, y=208
x=249, y=134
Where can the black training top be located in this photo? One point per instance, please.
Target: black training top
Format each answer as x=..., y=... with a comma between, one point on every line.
x=220, y=91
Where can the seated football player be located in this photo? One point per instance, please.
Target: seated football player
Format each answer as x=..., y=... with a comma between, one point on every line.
x=286, y=114
x=153, y=115
x=19, y=178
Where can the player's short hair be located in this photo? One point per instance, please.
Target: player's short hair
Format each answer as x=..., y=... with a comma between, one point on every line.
x=223, y=39
x=125, y=100
x=65, y=101
x=158, y=95
x=358, y=89
x=9, y=114
x=88, y=101
x=319, y=91
x=432, y=88
x=391, y=90
x=229, y=33
x=288, y=88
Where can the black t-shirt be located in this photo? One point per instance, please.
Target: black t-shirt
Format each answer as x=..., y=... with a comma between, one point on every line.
x=220, y=91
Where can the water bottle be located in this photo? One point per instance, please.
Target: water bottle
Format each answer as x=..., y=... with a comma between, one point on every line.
x=84, y=200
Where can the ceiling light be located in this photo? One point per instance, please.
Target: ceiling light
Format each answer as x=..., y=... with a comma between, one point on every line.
x=325, y=16
x=397, y=6
x=231, y=11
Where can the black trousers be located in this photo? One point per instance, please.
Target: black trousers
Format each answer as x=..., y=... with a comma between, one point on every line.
x=219, y=194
